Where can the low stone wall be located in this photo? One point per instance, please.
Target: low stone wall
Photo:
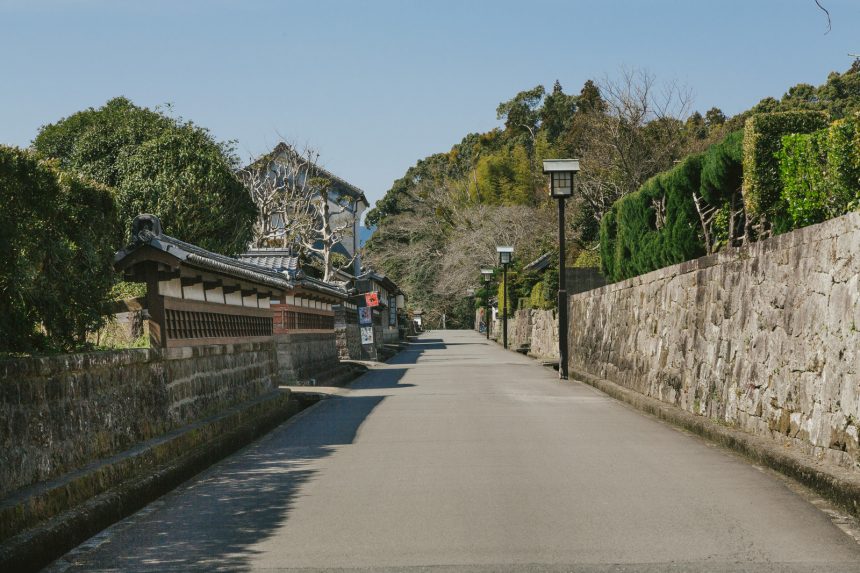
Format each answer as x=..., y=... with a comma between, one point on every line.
x=544, y=335
x=62, y=412
x=303, y=358
x=534, y=329
x=764, y=338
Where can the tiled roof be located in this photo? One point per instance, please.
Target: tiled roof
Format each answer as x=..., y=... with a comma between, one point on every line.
x=277, y=260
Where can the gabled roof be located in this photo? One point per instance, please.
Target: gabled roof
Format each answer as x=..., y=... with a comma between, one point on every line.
x=146, y=232
x=343, y=184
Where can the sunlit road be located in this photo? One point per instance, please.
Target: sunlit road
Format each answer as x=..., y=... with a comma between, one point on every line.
x=464, y=457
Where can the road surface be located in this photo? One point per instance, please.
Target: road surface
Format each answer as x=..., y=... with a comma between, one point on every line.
x=460, y=456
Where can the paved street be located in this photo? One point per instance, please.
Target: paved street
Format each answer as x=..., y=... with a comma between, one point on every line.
x=460, y=455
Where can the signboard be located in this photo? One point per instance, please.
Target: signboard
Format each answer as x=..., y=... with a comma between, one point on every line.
x=371, y=299
x=392, y=311
x=365, y=315
x=367, y=335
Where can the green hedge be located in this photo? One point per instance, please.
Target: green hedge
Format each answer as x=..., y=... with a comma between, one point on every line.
x=820, y=172
x=542, y=297
x=763, y=135
x=57, y=234
x=654, y=227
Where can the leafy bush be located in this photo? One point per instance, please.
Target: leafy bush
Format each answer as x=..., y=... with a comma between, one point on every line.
x=158, y=165
x=541, y=297
x=588, y=258
x=820, y=172
x=57, y=233
x=512, y=294
x=654, y=227
x=763, y=134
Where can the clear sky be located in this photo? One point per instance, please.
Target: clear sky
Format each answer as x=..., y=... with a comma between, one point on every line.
x=377, y=85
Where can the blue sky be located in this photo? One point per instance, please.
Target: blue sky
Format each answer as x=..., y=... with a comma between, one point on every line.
x=377, y=85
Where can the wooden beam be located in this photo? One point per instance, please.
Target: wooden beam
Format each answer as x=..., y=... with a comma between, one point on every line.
x=248, y=292
x=264, y=295
x=190, y=281
x=212, y=285
x=230, y=289
x=168, y=275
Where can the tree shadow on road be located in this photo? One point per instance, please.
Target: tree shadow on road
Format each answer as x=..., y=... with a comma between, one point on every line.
x=213, y=521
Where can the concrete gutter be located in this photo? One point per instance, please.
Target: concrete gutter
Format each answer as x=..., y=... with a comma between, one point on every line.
x=836, y=484
x=44, y=521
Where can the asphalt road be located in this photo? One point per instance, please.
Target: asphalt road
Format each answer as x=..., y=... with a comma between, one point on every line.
x=460, y=456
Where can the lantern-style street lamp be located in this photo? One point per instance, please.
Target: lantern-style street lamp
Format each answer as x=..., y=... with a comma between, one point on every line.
x=488, y=275
x=506, y=255
x=561, y=173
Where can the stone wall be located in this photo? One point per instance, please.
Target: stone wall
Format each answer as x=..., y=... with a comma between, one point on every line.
x=59, y=413
x=534, y=329
x=544, y=335
x=303, y=358
x=765, y=338
x=347, y=333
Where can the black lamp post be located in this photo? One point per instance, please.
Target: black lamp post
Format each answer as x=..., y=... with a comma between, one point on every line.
x=487, y=274
x=506, y=255
x=561, y=172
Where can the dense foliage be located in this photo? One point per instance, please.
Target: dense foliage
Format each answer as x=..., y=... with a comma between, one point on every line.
x=655, y=226
x=762, y=141
x=780, y=172
x=56, y=233
x=440, y=223
x=820, y=172
x=160, y=165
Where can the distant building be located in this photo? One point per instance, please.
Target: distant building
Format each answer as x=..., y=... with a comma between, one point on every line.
x=349, y=246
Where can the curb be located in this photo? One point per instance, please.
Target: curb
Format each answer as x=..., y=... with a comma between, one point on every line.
x=840, y=486
x=218, y=437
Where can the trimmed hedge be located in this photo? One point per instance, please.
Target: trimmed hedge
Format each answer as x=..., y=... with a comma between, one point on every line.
x=57, y=234
x=820, y=172
x=654, y=227
x=763, y=135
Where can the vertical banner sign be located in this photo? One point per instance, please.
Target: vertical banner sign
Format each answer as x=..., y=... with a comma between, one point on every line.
x=365, y=315
x=392, y=311
x=371, y=299
x=367, y=335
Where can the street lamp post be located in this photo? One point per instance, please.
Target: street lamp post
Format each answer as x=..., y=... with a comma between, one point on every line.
x=487, y=274
x=561, y=172
x=506, y=255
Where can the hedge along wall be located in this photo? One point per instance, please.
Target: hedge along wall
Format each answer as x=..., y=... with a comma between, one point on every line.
x=57, y=236
x=763, y=135
x=820, y=172
x=655, y=226
x=764, y=338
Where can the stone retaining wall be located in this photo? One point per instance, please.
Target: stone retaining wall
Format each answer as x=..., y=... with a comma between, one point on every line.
x=764, y=338
x=60, y=413
x=305, y=357
x=534, y=329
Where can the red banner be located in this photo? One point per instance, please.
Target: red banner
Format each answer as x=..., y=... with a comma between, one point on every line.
x=371, y=299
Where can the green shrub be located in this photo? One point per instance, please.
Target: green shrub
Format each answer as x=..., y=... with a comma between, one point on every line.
x=763, y=135
x=820, y=173
x=654, y=227
x=512, y=295
x=541, y=297
x=588, y=258
x=57, y=233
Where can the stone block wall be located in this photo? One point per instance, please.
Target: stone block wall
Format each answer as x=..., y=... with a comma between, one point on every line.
x=764, y=338
x=544, y=334
x=305, y=357
x=60, y=413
